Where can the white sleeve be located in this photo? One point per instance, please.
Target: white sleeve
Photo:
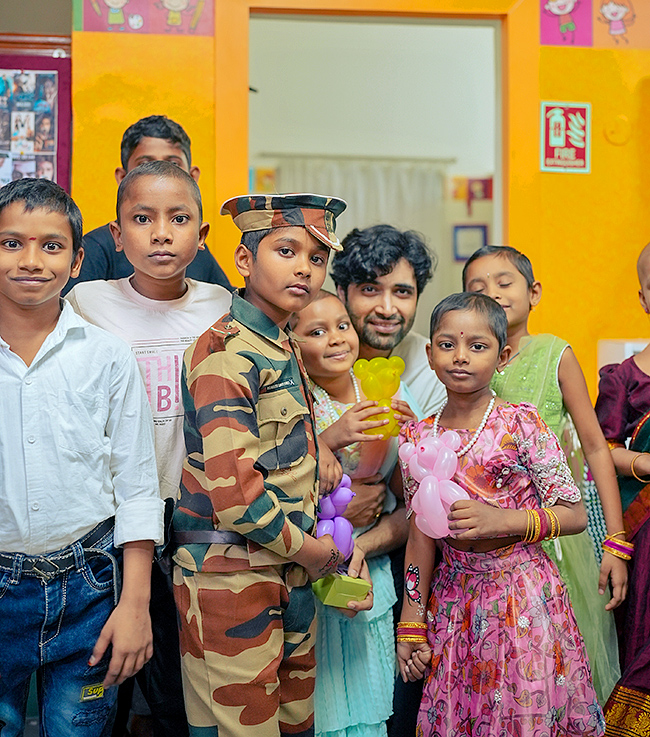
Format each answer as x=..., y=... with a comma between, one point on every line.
x=139, y=508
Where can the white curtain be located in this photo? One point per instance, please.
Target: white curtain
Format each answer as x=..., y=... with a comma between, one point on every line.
x=405, y=193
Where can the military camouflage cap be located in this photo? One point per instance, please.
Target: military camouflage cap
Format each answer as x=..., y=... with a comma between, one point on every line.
x=315, y=212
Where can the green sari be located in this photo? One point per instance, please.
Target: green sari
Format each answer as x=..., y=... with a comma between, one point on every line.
x=532, y=376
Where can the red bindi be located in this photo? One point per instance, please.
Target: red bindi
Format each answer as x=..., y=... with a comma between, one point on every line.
x=461, y=333
x=32, y=239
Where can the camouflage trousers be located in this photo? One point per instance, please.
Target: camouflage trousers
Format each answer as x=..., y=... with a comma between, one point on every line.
x=247, y=651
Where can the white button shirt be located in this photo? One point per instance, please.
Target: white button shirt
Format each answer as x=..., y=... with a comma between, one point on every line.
x=425, y=387
x=76, y=442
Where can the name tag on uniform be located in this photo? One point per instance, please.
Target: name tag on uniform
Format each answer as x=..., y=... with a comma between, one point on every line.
x=284, y=384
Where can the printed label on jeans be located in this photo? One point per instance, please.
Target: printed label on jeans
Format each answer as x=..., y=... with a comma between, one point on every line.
x=90, y=693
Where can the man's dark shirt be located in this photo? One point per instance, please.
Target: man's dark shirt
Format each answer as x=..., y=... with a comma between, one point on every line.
x=102, y=261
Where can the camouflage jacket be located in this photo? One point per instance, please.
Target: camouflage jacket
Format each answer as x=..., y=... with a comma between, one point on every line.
x=252, y=463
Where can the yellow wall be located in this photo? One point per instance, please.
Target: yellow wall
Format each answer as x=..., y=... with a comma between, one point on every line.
x=582, y=231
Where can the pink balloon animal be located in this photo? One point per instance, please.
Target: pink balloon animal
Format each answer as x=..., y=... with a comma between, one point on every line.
x=433, y=462
x=331, y=522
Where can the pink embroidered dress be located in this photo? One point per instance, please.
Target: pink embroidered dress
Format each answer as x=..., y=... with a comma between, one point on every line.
x=508, y=658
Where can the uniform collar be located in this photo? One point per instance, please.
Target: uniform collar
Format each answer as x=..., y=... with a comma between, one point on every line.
x=254, y=319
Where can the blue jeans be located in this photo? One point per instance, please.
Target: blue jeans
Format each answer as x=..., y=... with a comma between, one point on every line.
x=49, y=625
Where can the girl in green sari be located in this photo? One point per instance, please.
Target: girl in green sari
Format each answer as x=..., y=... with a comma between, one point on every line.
x=544, y=371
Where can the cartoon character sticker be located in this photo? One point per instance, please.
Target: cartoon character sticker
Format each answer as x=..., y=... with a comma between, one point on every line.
x=115, y=15
x=146, y=16
x=618, y=16
x=562, y=9
x=566, y=22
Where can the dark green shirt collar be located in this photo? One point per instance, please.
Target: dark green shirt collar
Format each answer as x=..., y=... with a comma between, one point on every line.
x=254, y=319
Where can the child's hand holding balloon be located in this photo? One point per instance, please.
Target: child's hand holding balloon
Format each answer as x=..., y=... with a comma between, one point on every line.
x=355, y=425
x=433, y=462
x=380, y=379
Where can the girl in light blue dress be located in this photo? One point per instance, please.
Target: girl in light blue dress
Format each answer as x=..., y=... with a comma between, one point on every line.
x=355, y=656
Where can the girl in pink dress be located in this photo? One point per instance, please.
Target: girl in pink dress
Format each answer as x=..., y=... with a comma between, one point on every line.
x=502, y=653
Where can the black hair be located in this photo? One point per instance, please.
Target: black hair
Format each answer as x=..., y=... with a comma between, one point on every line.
x=155, y=126
x=519, y=260
x=374, y=251
x=162, y=170
x=251, y=239
x=35, y=193
x=475, y=302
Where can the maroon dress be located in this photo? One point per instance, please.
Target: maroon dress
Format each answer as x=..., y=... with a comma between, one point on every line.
x=623, y=408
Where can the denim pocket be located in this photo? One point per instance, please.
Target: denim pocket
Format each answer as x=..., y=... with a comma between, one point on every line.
x=98, y=571
x=5, y=579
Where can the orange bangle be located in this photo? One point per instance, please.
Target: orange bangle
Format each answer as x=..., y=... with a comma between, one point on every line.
x=634, y=473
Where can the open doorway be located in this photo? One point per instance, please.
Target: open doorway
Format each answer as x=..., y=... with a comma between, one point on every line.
x=400, y=118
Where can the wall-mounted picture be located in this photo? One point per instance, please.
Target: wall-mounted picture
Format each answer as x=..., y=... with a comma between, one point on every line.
x=467, y=239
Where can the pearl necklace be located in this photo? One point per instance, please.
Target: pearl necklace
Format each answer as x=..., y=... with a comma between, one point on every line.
x=322, y=394
x=461, y=451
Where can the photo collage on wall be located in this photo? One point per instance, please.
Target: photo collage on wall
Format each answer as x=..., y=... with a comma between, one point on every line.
x=28, y=124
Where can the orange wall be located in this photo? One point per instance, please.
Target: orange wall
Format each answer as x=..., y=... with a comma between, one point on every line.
x=582, y=231
x=120, y=78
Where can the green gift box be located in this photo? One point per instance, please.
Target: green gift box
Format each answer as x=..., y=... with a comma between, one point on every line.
x=336, y=589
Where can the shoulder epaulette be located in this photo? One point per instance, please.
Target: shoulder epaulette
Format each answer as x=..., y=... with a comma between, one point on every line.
x=220, y=332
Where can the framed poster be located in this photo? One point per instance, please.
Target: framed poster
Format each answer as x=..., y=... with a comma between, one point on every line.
x=467, y=239
x=35, y=118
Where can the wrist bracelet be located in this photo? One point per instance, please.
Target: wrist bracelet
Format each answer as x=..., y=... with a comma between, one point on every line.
x=417, y=625
x=619, y=548
x=555, y=524
x=616, y=534
x=533, y=526
x=634, y=473
x=412, y=638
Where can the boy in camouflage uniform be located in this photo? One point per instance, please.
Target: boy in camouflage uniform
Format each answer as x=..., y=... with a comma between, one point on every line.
x=246, y=513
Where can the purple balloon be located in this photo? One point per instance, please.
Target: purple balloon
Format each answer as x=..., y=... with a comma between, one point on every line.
x=345, y=481
x=446, y=464
x=325, y=527
x=341, y=495
x=343, y=536
x=327, y=508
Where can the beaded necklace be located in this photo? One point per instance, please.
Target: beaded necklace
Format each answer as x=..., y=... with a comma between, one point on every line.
x=322, y=395
x=461, y=451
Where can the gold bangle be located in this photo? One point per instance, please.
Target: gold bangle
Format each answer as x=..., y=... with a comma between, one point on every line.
x=411, y=638
x=634, y=473
x=555, y=529
x=419, y=625
x=617, y=553
x=538, y=526
x=551, y=519
x=530, y=533
x=616, y=534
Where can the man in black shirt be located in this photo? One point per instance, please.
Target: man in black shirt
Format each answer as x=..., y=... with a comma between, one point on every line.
x=155, y=138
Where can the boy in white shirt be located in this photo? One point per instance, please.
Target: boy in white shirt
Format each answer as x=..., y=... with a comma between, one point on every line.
x=159, y=312
x=78, y=490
